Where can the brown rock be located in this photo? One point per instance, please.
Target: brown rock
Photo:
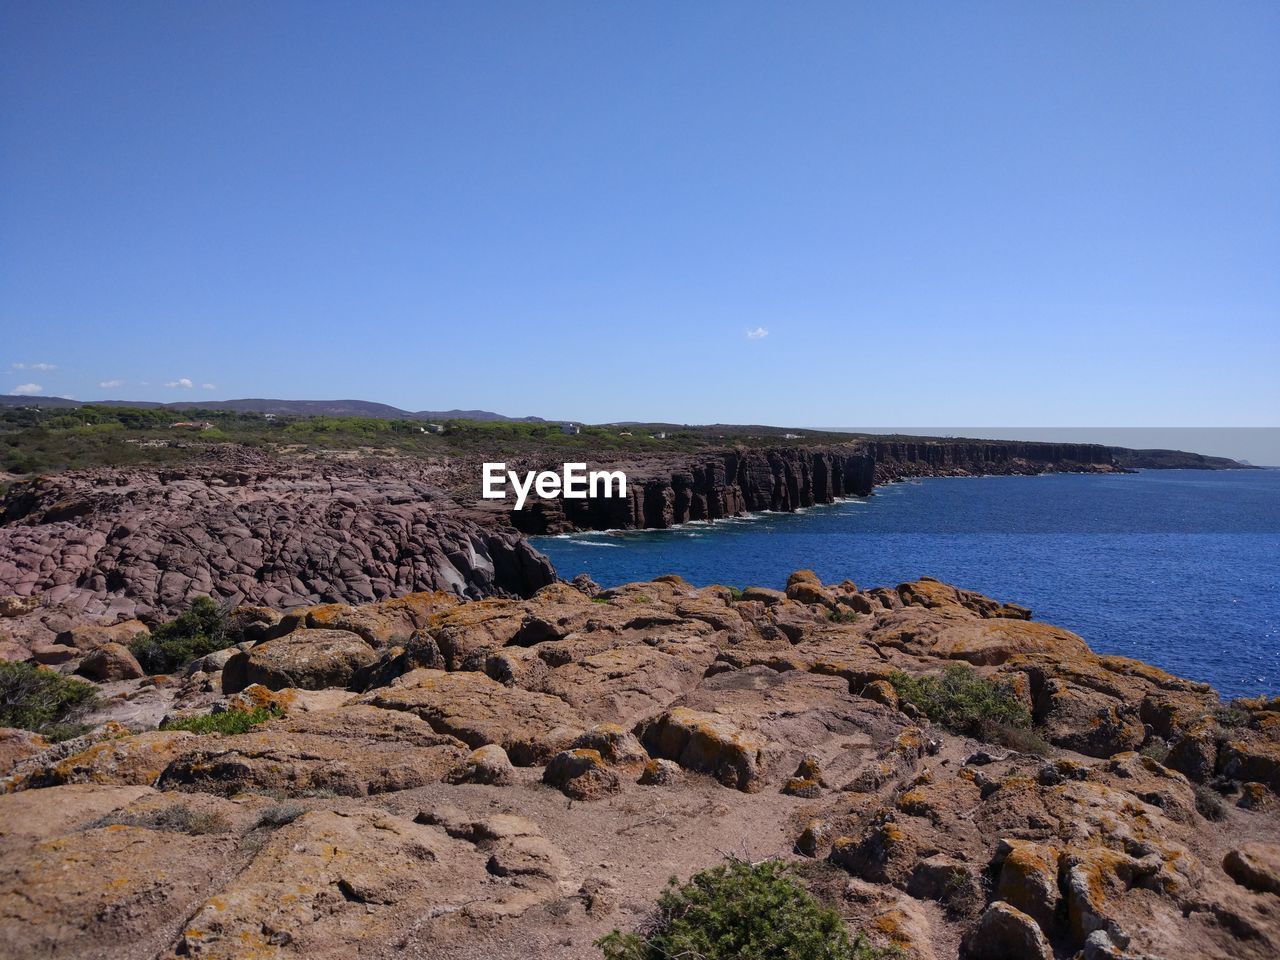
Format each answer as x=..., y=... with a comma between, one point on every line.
x=661, y=773
x=488, y=764
x=137, y=760
x=581, y=774
x=531, y=727
x=351, y=751
x=91, y=636
x=1005, y=933
x=52, y=654
x=708, y=743
x=1029, y=879
x=1256, y=866
x=110, y=661
x=307, y=659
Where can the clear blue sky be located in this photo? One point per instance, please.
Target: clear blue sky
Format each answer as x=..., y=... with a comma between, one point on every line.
x=1002, y=213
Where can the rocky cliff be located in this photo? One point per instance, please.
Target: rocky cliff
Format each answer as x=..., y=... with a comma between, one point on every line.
x=674, y=490
x=510, y=779
x=144, y=542
x=670, y=491
x=899, y=458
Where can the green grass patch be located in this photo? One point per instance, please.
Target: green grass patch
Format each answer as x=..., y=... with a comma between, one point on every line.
x=741, y=911
x=42, y=700
x=228, y=721
x=966, y=703
x=842, y=615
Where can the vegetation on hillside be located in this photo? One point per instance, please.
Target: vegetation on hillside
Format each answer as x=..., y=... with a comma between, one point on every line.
x=34, y=440
x=741, y=911
x=965, y=702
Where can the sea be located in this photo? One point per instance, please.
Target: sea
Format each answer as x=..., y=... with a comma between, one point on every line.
x=1179, y=568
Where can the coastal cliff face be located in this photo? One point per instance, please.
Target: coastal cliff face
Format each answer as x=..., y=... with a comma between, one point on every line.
x=738, y=481
x=898, y=459
x=514, y=778
x=721, y=485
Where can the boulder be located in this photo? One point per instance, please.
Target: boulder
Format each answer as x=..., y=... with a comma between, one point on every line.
x=581, y=774
x=1256, y=866
x=307, y=659
x=708, y=743
x=488, y=765
x=90, y=636
x=108, y=662
x=1005, y=933
x=616, y=744
x=661, y=773
x=1028, y=879
x=53, y=654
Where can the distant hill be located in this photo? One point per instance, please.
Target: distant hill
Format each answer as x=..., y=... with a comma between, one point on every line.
x=299, y=408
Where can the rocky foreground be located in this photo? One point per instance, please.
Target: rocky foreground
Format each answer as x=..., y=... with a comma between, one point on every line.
x=512, y=778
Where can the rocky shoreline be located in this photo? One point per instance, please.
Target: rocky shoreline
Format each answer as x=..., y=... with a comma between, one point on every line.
x=111, y=545
x=510, y=778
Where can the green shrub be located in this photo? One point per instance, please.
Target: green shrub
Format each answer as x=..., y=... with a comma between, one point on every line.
x=1231, y=716
x=842, y=615
x=170, y=646
x=966, y=703
x=228, y=721
x=43, y=701
x=174, y=818
x=741, y=912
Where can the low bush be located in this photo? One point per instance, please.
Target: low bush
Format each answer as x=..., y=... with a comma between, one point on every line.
x=228, y=721
x=966, y=703
x=741, y=911
x=1209, y=804
x=170, y=646
x=842, y=615
x=174, y=818
x=43, y=701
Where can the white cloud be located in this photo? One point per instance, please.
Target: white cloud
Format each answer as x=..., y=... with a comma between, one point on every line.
x=183, y=382
x=44, y=367
x=759, y=333
x=110, y=384
x=28, y=389
x=208, y=386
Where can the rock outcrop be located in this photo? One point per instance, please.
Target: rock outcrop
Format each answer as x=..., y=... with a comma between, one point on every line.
x=110, y=545
x=516, y=777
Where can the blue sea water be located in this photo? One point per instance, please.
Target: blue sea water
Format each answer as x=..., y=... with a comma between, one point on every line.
x=1180, y=568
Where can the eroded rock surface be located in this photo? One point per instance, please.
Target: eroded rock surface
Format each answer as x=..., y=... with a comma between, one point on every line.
x=513, y=777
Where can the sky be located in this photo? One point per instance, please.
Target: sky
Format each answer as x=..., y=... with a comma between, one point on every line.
x=1057, y=213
